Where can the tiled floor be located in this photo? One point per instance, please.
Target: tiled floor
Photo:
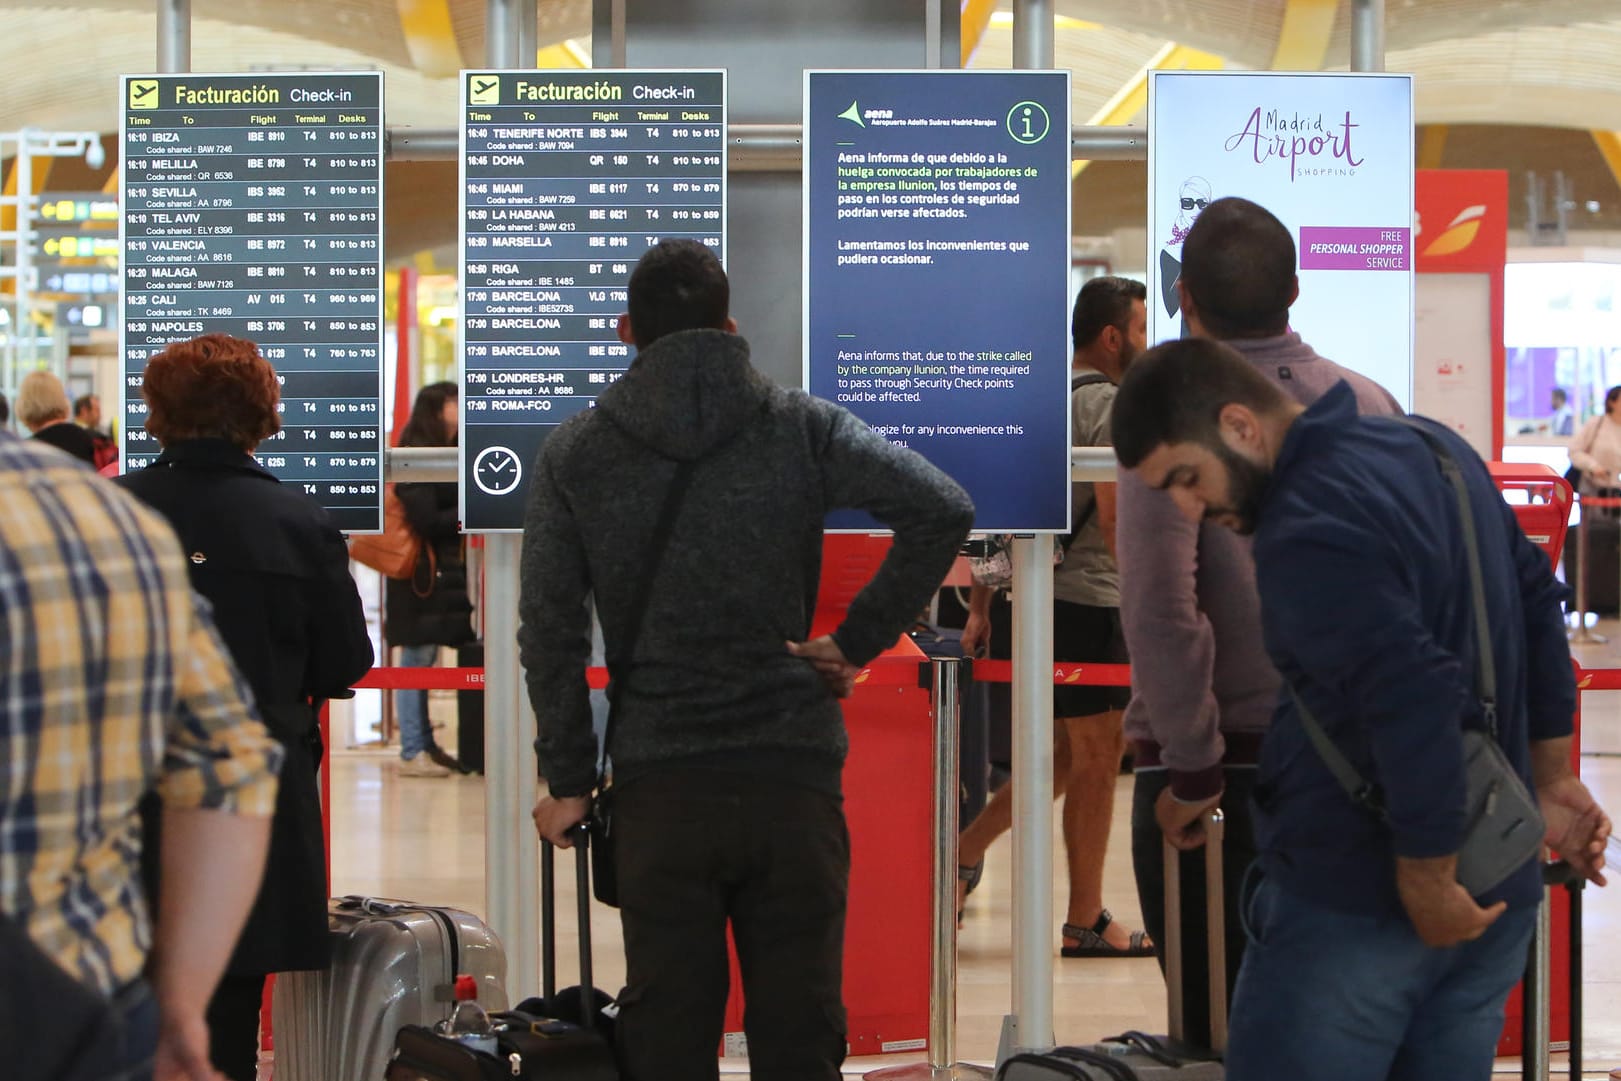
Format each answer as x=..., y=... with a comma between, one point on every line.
x=422, y=839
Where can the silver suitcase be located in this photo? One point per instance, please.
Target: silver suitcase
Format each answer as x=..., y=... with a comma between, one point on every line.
x=1136, y=1056
x=394, y=963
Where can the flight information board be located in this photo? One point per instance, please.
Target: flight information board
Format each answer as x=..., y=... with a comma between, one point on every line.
x=253, y=206
x=567, y=177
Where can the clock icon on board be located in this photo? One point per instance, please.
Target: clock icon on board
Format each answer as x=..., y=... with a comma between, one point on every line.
x=496, y=470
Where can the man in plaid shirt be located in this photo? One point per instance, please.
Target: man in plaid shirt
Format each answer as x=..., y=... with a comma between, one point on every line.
x=113, y=683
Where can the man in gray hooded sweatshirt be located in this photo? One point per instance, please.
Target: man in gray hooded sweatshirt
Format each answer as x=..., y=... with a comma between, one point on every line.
x=728, y=741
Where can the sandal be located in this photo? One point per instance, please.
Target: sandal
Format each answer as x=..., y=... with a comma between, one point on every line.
x=969, y=876
x=1091, y=942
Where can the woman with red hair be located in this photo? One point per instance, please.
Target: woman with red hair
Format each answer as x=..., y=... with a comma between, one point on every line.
x=277, y=573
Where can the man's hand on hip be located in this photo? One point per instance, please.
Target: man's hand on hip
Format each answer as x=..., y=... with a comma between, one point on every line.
x=1181, y=822
x=1442, y=911
x=829, y=661
x=556, y=816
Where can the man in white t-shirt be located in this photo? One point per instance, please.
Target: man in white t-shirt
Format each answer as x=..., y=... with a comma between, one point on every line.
x=1109, y=328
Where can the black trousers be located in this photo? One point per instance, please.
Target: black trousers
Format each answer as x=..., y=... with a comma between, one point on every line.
x=1148, y=860
x=233, y=1026
x=698, y=849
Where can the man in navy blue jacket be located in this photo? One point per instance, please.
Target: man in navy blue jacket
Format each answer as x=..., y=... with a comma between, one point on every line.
x=1368, y=960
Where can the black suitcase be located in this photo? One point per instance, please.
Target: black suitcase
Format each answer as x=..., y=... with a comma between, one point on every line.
x=1137, y=1056
x=565, y=1035
x=1534, y=1008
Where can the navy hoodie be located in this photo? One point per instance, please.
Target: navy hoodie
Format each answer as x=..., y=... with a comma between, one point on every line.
x=712, y=683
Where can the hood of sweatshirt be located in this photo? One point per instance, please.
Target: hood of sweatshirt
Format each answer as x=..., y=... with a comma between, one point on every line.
x=687, y=393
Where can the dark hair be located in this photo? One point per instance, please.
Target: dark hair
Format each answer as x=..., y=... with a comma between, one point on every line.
x=1174, y=393
x=426, y=427
x=83, y=402
x=1610, y=396
x=1559, y=391
x=1238, y=263
x=677, y=285
x=211, y=387
x=5, y=408
x=1104, y=301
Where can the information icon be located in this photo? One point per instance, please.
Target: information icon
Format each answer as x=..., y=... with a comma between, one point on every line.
x=496, y=470
x=1028, y=122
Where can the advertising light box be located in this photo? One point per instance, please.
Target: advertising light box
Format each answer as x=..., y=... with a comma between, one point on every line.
x=567, y=177
x=1331, y=155
x=253, y=206
x=936, y=275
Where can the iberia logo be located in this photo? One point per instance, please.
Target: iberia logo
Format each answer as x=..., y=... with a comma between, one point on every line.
x=1460, y=233
x=865, y=674
x=1072, y=676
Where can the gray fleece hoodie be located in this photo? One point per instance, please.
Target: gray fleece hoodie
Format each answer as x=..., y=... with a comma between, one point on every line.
x=711, y=683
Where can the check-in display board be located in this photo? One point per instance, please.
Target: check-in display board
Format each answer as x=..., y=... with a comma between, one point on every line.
x=253, y=206
x=936, y=263
x=567, y=177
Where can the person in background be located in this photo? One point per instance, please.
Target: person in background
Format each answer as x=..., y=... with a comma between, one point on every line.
x=1202, y=687
x=1596, y=449
x=42, y=406
x=431, y=609
x=1108, y=328
x=5, y=410
x=87, y=415
x=117, y=686
x=728, y=743
x=1368, y=960
x=275, y=569
x=1563, y=421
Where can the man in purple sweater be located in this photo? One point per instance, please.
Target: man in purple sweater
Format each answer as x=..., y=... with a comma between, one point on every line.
x=1202, y=687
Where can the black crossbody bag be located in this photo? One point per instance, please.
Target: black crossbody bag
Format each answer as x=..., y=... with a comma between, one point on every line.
x=604, y=878
x=1504, y=828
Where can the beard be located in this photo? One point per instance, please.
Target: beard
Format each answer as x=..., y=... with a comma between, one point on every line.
x=1246, y=487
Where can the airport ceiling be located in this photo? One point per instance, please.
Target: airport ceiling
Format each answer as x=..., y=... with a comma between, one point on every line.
x=1518, y=64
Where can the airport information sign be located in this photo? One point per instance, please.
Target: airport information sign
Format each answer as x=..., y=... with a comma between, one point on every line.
x=567, y=177
x=936, y=269
x=253, y=206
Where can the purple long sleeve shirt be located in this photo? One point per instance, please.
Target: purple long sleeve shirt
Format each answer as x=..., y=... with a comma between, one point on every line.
x=1202, y=688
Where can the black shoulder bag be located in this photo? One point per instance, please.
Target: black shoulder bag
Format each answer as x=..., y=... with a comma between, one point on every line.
x=604, y=879
x=1503, y=827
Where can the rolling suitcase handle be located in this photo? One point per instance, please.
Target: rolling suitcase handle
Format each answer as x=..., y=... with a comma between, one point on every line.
x=1215, y=933
x=1537, y=989
x=548, y=912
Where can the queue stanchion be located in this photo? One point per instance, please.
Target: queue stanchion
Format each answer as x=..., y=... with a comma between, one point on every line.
x=1581, y=633
x=941, y=1065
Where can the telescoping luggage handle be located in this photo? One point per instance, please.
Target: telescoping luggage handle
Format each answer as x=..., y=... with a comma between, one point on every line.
x=548, y=912
x=1215, y=933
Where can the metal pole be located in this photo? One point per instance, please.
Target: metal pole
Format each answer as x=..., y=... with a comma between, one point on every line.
x=1534, y=1001
x=501, y=35
x=774, y=147
x=1582, y=634
x=943, y=947
x=1032, y=33
x=1367, y=35
x=1030, y=1027
x=528, y=32
x=616, y=38
x=174, y=36
x=511, y=851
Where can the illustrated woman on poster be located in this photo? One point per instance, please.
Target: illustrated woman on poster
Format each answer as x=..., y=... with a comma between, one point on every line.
x=1193, y=197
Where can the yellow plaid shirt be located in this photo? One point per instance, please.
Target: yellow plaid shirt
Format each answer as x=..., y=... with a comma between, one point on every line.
x=113, y=682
